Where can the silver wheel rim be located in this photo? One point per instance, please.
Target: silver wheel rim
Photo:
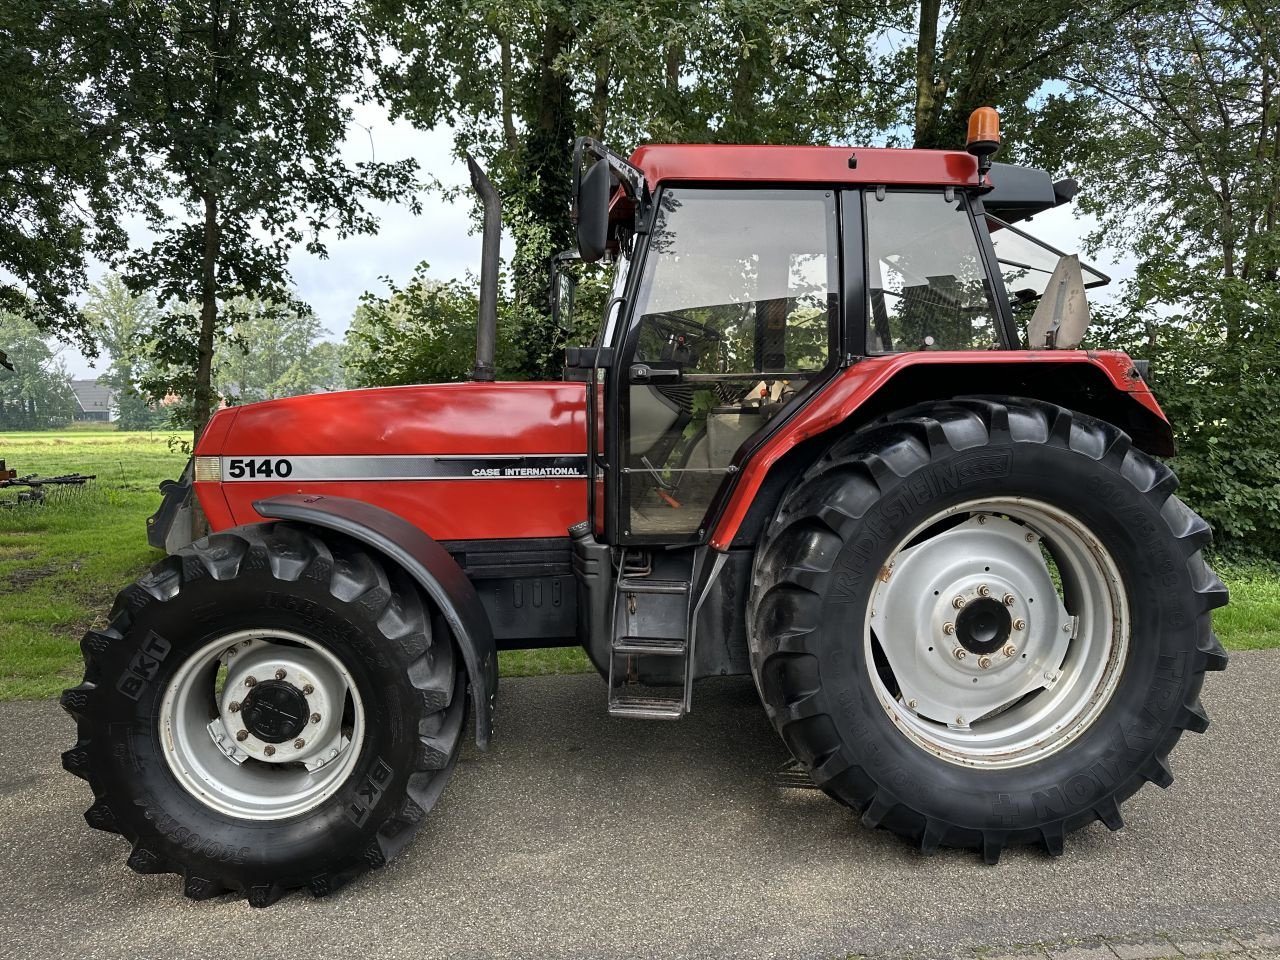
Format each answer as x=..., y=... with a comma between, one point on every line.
x=997, y=632
x=220, y=739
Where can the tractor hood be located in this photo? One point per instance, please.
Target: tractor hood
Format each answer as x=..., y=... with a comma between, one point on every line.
x=460, y=460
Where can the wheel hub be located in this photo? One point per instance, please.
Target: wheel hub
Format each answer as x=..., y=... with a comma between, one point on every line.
x=287, y=730
x=970, y=620
x=983, y=626
x=275, y=711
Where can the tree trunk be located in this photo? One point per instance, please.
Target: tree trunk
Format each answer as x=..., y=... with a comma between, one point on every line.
x=600, y=96
x=927, y=106
x=202, y=402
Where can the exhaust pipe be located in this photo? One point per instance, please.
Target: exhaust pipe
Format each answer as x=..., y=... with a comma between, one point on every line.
x=487, y=324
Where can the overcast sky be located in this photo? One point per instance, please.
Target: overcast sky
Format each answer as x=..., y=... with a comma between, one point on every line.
x=441, y=234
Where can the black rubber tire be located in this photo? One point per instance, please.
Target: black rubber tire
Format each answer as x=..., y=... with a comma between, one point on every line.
x=839, y=524
x=329, y=589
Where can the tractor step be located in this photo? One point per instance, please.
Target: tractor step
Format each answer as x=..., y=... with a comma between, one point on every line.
x=649, y=662
x=636, y=585
x=647, y=708
x=650, y=647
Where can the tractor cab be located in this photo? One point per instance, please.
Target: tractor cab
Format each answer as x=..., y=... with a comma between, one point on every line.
x=747, y=281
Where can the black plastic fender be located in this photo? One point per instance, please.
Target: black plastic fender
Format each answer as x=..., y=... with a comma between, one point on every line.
x=428, y=563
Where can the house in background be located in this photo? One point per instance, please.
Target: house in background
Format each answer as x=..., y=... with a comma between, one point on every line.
x=95, y=401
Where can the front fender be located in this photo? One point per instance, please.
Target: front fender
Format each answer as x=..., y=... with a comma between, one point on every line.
x=424, y=560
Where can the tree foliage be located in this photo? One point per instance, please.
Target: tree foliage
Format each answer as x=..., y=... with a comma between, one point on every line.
x=56, y=202
x=424, y=332
x=36, y=394
x=1186, y=163
x=235, y=112
x=518, y=82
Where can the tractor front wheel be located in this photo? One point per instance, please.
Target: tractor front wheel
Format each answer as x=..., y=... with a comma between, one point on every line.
x=985, y=622
x=270, y=708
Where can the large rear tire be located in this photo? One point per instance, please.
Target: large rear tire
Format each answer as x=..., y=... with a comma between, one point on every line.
x=984, y=622
x=270, y=708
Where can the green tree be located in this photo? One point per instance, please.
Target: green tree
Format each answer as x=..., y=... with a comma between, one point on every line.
x=517, y=84
x=36, y=394
x=1185, y=170
x=424, y=332
x=270, y=352
x=118, y=320
x=235, y=112
x=56, y=205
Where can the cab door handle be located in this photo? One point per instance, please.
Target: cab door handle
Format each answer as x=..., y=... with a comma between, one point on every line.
x=643, y=373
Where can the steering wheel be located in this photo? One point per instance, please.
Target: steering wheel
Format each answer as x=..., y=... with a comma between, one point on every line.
x=675, y=324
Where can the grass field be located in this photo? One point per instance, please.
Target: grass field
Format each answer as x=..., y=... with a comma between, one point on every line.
x=62, y=562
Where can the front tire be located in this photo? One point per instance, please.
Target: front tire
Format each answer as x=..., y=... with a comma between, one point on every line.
x=937, y=670
x=270, y=708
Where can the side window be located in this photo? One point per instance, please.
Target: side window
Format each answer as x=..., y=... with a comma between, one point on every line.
x=734, y=314
x=926, y=282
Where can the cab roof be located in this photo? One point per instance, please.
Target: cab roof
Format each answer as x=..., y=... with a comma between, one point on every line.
x=1010, y=191
x=802, y=164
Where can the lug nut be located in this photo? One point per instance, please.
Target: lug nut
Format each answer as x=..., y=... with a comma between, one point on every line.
x=299, y=744
x=250, y=681
x=948, y=628
x=280, y=674
x=1008, y=599
x=960, y=653
x=269, y=750
x=308, y=689
x=234, y=706
x=1050, y=676
x=242, y=735
x=960, y=722
x=984, y=662
x=984, y=591
x=911, y=704
x=1009, y=650
x=1031, y=538
x=315, y=718
x=958, y=602
x=1019, y=624
x=982, y=518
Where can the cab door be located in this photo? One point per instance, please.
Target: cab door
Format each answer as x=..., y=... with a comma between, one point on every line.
x=734, y=314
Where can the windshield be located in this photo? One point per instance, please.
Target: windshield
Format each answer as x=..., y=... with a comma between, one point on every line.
x=1027, y=264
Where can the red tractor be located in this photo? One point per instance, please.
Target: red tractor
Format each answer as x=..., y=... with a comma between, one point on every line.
x=834, y=433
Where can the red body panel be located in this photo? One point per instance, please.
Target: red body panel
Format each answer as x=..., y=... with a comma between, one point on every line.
x=496, y=419
x=840, y=399
x=440, y=419
x=783, y=164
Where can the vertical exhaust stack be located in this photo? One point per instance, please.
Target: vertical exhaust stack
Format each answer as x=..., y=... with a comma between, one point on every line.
x=487, y=323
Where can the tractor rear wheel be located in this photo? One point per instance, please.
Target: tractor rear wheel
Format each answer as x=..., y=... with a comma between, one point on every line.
x=984, y=622
x=269, y=708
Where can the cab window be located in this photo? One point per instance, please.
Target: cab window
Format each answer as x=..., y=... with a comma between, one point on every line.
x=926, y=283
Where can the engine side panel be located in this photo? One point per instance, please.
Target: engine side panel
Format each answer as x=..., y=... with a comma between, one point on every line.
x=465, y=461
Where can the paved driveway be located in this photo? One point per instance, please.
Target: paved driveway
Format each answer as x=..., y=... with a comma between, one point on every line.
x=578, y=835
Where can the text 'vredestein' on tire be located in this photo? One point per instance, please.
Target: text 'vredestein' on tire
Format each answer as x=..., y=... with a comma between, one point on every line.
x=984, y=622
x=271, y=708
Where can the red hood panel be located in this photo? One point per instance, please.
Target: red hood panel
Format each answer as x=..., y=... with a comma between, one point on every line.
x=441, y=418
x=451, y=420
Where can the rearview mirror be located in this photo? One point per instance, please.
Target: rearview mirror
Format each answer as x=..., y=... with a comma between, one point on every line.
x=563, y=287
x=593, y=211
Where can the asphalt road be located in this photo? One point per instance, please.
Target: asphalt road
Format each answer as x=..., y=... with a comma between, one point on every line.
x=578, y=835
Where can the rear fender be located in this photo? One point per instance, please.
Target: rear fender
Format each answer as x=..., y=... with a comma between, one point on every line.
x=1102, y=384
x=428, y=563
